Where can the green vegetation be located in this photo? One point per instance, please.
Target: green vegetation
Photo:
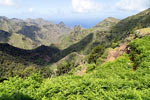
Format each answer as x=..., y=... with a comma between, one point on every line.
x=108, y=32
x=31, y=33
x=81, y=71
x=95, y=54
x=15, y=61
x=140, y=52
x=115, y=80
x=90, y=67
x=100, y=31
x=21, y=41
x=64, y=68
x=4, y=36
x=129, y=25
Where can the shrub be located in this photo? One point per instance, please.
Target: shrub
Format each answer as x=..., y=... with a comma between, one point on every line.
x=95, y=54
x=90, y=67
x=64, y=67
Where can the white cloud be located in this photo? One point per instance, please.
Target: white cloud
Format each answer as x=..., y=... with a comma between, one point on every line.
x=133, y=4
x=83, y=6
x=6, y=2
x=30, y=9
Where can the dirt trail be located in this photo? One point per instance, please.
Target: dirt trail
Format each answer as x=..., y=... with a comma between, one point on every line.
x=117, y=52
x=112, y=55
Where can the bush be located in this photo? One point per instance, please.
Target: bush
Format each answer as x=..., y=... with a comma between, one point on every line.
x=114, y=45
x=140, y=52
x=114, y=80
x=95, y=54
x=64, y=67
x=90, y=67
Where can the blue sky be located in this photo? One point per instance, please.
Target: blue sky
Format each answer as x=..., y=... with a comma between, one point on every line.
x=72, y=12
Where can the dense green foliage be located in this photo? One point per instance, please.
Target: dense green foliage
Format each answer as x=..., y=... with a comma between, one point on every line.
x=64, y=67
x=15, y=61
x=140, y=52
x=125, y=77
x=127, y=26
x=90, y=67
x=115, y=80
x=95, y=54
x=81, y=41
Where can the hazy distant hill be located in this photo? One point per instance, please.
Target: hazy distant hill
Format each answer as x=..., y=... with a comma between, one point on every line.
x=108, y=31
x=80, y=42
x=37, y=31
x=110, y=61
x=100, y=31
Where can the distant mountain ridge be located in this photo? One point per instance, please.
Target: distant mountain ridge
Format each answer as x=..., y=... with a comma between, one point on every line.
x=39, y=31
x=99, y=32
x=108, y=31
x=108, y=34
x=128, y=25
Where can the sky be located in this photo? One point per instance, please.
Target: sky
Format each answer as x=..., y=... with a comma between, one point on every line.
x=86, y=13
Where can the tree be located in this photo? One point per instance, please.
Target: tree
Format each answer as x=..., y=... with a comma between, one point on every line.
x=95, y=54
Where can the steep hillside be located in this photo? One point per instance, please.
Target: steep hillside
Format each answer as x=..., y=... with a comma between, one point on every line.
x=38, y=30
x=17, y=40
x=127, y=26
x=109, y=31
x=15, y=61
x=116, y=80
x=79, y=43
x=4, y=36
x=100, y=31
x=110, y=61
x=82, y=41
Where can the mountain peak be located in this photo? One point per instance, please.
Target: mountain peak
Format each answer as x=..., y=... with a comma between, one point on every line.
x=106, y=22
x=61, y=24
x=111, y=19
x=77, y=28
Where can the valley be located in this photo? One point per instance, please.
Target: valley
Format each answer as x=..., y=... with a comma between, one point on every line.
x=40, y=60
